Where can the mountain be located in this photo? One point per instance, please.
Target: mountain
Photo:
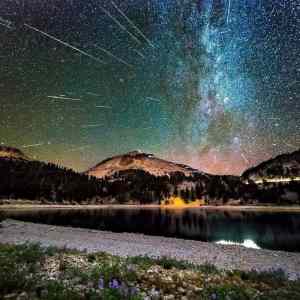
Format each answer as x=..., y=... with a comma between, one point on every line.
x=137, y=160
x=282, y=166
x=144, y=178
x=13, y=153
x=141, y=178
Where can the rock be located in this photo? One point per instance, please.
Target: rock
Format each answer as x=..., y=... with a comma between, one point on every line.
x=197, y=289
x=23, y=296
x=184, y=298
x=154, y=294
x=10, y=296
x=181, y=290
x=169, y=297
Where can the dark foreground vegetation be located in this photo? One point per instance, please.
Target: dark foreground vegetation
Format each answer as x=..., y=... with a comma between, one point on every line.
x=50, y=184
x=31, y=272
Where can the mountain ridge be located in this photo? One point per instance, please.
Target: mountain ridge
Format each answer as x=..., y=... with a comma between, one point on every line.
x=137, y=160
x=283, y=165
x=12, y=152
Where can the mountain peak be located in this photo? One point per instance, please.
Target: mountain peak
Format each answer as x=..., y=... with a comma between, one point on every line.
x=135, y=153
x=138, y=160
x=11, y=152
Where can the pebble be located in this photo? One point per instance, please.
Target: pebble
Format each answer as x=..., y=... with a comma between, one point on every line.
x=23, y=296
x=124, y=244
x=10, y=296
x=169, y=297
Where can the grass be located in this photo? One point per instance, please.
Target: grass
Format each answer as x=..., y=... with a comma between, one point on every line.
x=79, y=276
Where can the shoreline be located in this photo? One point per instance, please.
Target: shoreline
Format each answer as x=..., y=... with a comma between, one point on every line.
x=264, y=208
x=226, y=257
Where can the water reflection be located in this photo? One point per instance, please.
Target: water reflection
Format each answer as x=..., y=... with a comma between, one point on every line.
x=272, y=230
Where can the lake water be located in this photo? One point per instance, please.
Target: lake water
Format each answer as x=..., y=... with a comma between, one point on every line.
x=256, y=229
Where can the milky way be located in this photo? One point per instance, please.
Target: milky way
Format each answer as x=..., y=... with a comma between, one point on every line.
x=214, y=84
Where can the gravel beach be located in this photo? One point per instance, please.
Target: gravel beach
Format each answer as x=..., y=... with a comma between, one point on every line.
x=126, y=244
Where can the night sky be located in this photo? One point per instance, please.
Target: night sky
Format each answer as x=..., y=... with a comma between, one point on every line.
x=213, y=84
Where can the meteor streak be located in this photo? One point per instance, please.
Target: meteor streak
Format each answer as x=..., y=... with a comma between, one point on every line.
x=245, y=158
x=120, y=25
x=93, y=94
x=152, y=99
x=63, y=98
x=65, y=44
x=139, y=53
x=91, y=125
x=228, y=11
x=80, y=148
x=33, y=145
x=132, y=24
x=113, y=56
x=103, y=106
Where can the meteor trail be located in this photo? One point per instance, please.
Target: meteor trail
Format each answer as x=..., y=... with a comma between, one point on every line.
x=33, y=145
x=93, y=94
x=132, y=24
x=245, y=158
x=63, y=98
x=65, y=44
x=290, y=145
x=91, y=125
x=113, y=56
x=103, y=106
x=228, y=11
x=139, y=53
x=152, y=99
x=80, y=148
x=120, y=25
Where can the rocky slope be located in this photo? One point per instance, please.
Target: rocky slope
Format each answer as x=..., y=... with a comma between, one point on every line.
x=137, y=160
x=282, y=166
x=10, y=152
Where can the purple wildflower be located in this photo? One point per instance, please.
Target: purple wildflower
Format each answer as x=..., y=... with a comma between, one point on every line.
x=101, y=284
x=214, y=296
x=133, y=291
x=114, y=284
x=131, y=268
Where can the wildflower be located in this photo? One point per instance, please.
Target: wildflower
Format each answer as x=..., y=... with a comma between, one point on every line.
x=131, y=268
x=214, y=296
x=133, y=291
x=114, y=284
x=101, y=284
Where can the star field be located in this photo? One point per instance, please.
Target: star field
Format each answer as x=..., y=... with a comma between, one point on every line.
x=213, y=84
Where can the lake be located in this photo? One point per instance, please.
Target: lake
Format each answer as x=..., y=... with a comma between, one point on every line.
x=254, y=229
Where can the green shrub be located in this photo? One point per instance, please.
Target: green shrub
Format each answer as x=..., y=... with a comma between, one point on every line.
x=57, y=291
x=273, y=277
x=229, y=291
x=19, y=265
